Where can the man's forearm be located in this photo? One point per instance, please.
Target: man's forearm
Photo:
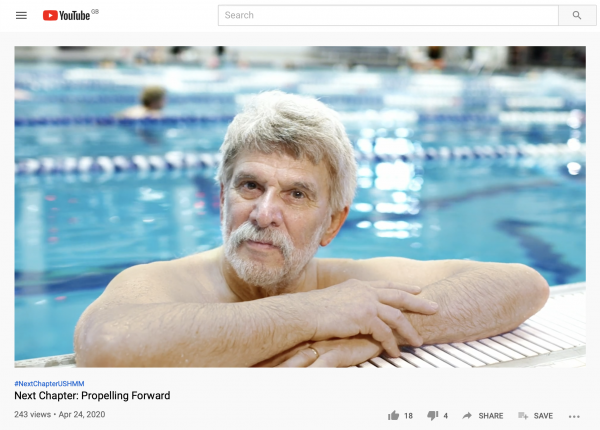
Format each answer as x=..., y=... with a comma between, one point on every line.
x=480, y=303
x=190, y=334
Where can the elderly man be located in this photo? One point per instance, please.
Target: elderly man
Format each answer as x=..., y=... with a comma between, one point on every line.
x=288, y=177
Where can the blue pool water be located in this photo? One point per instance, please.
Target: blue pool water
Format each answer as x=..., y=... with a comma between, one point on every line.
x=74, y=232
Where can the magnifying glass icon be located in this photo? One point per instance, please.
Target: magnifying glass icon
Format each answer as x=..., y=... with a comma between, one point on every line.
x=576, y=14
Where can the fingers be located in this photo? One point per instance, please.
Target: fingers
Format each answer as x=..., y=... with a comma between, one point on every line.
x=307, y=358
x=383, y=334
x=329, y=359
x=407, y=302
x=303, y=358
x=283, y=356
x=396, y=320
x=413, y=289
x=392, y=301
x=336, y=353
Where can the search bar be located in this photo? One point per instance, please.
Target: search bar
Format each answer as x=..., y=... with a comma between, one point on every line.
x=376, y=15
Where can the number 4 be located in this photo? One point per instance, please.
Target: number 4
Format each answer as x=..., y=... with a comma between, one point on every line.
x=446, y=415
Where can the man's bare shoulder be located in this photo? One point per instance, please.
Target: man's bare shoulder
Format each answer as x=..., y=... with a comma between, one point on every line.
x=195, y=278
x=333, y=271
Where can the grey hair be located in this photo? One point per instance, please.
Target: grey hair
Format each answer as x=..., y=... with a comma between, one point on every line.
x=298, y=126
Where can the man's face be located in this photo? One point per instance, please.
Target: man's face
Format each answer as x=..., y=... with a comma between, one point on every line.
x=275, y=213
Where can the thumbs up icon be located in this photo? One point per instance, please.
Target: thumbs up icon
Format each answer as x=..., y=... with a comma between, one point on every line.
x=393, y=416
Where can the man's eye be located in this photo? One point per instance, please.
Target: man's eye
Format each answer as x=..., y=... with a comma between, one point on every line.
x=250, y=185
x=297, y=194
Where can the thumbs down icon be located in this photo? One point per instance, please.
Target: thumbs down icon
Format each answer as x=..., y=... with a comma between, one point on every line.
x=432, y=415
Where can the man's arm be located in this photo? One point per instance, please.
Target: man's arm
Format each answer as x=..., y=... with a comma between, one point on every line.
x=481, y=301
x=158, y=329
x=476, y=299
x=145, y=318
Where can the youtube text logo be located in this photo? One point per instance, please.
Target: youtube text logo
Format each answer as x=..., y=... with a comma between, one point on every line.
x=50, y=15
x=54, y=15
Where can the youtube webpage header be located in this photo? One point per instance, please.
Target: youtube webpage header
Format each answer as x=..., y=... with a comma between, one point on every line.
x=251, y=17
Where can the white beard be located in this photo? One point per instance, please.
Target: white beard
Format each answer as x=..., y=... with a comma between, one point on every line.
x=274, y=280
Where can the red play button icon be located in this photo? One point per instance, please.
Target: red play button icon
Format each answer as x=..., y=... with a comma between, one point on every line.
x=50, y=15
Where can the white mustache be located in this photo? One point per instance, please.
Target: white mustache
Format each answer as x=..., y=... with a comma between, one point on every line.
x=250, y=232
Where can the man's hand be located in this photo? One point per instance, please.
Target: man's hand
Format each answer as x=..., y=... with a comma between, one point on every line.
x=276, y=360
x=374, y=308
x=335, y=353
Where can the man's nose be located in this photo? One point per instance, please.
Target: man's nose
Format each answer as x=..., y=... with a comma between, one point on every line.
x=267, y=210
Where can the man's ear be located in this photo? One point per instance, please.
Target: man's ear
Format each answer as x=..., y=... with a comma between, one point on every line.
x=337, y=220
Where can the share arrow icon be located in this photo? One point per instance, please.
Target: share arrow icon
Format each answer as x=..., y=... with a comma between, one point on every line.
x=467, y=415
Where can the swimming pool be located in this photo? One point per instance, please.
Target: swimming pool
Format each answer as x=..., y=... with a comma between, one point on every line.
x=75, y=231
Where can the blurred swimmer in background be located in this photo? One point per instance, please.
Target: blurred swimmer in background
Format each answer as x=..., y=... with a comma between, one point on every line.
x=152, y=102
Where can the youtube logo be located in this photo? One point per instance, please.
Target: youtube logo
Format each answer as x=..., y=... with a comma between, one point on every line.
x=50, y=15
x=54, y=15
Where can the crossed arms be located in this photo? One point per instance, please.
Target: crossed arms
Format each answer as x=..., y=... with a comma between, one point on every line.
x=145, y=318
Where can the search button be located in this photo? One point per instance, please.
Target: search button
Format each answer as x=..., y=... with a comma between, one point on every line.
x=577, y=15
